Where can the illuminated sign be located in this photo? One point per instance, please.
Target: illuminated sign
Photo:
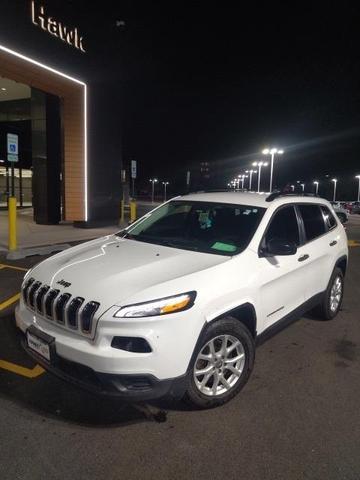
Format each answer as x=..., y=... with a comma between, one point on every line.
x=55, y=28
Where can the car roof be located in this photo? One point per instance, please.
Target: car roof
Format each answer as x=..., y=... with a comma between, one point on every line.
x=249, y=198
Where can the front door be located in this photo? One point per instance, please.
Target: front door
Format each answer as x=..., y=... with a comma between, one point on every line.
x=283, y=280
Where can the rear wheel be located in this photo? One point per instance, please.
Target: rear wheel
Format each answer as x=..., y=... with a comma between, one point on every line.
x=333, y=297
x=222, y=365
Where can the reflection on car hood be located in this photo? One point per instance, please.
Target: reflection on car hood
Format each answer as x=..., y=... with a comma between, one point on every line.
x=112, y=269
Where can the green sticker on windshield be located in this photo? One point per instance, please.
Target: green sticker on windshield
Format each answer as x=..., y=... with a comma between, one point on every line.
x=224, y=247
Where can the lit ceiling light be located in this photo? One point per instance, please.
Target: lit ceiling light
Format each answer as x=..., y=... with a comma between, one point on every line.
x=3, y=89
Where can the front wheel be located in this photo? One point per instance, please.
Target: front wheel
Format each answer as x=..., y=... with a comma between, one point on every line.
x=222, y=366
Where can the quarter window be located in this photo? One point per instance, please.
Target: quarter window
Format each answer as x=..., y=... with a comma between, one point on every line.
x=284, y=226
x=313, y=221
x=329, y=218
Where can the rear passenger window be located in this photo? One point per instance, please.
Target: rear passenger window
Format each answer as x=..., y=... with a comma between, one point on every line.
x=329, y=218
x=314, y=223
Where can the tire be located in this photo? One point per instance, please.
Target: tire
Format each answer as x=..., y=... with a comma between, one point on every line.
x=227, y=332
x=327, y=310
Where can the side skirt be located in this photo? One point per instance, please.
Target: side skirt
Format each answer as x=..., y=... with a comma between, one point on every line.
x=289, y=318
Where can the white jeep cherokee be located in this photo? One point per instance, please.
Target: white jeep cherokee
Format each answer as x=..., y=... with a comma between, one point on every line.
x=175, y=303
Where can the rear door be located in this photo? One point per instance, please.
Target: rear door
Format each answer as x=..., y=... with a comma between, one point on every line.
x=319, y=243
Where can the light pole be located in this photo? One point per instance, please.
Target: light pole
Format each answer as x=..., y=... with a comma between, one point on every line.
x=292, y=188
x=259, y=165
x=303, y=186
x=358, y=177
x=335, y=182
x=250, y=172
x=316, y=183
x=241, y=179
x=153, y=181
x=272, y=152
x=165, y=185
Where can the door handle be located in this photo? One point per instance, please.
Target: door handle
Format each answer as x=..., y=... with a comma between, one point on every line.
x=303, y=257
x=334, y=242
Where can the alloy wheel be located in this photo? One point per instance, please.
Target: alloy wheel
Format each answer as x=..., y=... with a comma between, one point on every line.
x=219, y=365
x=335, y=294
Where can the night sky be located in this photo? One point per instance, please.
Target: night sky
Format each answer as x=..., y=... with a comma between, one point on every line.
x=204, y=81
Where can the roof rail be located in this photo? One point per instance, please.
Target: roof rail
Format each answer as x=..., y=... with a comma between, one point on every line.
x=277, y=194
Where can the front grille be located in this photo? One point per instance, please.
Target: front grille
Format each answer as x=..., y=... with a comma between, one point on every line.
x=70, y=312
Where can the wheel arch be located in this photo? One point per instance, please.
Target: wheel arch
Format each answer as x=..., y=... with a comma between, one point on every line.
x=342, y=264
x=245, y=313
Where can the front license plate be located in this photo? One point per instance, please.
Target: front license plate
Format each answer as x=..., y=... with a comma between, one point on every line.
x=38, y=345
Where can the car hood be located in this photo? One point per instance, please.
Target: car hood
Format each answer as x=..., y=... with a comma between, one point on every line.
x=112, y=269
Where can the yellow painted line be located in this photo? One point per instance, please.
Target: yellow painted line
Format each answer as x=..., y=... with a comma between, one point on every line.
x=9, y=301
x=353, y=243
x=3, y=265
x=23, y=371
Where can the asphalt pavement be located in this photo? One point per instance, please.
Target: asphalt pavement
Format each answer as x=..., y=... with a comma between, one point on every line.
x=297, y=418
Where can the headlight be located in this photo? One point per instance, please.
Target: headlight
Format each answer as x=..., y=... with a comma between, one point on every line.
x=162, y=306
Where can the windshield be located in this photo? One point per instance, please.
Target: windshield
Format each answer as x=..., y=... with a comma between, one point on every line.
x=218, y=228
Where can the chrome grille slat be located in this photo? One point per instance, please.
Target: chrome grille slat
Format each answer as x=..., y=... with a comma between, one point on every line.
x=31, y=296
x=87, y=315
x=49, y=302
x=73, y=311
x=26, y=287
x=60, y=307
x=39, y=302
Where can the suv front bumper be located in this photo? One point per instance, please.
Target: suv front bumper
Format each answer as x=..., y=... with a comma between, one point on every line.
x=127, y=387
x=95, y=365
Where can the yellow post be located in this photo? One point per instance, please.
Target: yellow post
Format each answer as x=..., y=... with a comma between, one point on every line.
x=122, y=211
x=12, y=223
x=132, y=211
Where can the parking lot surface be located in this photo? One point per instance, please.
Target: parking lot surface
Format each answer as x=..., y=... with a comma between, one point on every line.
x=298, y=417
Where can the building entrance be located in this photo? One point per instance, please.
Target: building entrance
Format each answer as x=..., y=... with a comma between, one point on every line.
x=47, y=110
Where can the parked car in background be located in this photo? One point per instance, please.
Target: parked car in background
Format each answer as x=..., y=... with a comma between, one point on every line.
x=355, y=208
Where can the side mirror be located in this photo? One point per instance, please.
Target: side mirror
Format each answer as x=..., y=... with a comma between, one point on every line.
x=279, y=246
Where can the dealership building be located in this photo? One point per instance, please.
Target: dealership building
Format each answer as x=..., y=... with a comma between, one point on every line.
x=60, y=95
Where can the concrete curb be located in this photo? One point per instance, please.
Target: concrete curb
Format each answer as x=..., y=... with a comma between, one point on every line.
x=29, y=252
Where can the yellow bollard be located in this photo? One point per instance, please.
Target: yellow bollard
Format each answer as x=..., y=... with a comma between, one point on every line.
x=122, y=211
x=12, y=223
x=132, y=211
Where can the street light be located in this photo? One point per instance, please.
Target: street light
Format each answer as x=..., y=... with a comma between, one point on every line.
x=303, y=186
x=250, y=172
x=241, y=178
x=165, y=185
x=272, y=152
x=292, y=188
x=358, y=177
x=316, y=183
x=260, y=165
x=335, y=182
x=153, y=181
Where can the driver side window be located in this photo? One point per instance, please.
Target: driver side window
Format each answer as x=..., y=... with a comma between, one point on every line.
x=284, y=226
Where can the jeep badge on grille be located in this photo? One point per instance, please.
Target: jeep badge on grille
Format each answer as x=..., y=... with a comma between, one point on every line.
x=63, y=283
